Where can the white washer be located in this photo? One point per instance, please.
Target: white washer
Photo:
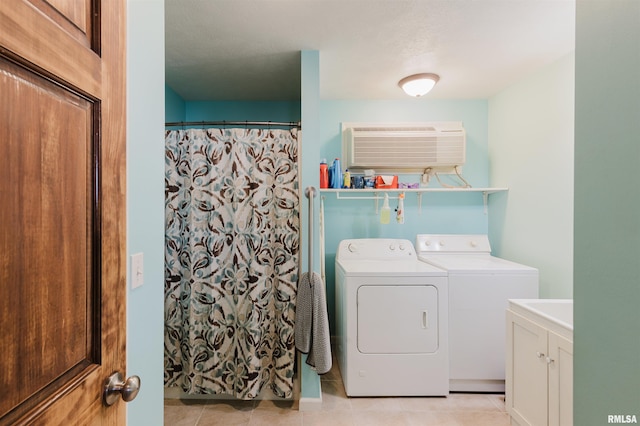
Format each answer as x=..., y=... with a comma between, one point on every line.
x=391, y=320
x=479, y=287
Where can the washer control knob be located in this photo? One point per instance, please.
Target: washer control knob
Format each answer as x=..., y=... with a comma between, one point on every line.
x=442, y=243
x=352, y=247
x=401, y=246
x=392, y=247
x=473, y=244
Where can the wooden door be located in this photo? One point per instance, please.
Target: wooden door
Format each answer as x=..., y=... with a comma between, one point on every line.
x=62, y=210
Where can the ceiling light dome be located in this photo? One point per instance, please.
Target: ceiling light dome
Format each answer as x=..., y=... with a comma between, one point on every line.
x=418, y=84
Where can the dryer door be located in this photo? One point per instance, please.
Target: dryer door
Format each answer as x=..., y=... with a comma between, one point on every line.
x=397, y=319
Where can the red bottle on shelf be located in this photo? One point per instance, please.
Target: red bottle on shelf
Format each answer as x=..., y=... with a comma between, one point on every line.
x=324, y=174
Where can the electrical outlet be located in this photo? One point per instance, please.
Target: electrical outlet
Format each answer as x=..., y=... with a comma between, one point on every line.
x=137, y=270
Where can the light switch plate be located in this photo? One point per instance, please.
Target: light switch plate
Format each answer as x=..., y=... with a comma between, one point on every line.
x=137, y=270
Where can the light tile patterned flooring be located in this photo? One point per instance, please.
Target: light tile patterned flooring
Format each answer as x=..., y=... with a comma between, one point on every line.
x=339, y=410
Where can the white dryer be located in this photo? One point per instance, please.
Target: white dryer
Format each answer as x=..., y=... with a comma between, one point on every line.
x=391, y=320
x=479, y=286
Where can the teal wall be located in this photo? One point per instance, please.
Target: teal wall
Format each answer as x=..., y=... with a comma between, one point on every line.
x=145, y=206
x=243, y=110
x=473, y=114
x=175, y=106
x=310, y=114
x=607, y=211
x=177, y=110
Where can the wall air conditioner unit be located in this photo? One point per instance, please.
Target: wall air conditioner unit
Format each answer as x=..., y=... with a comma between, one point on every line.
x=404, y=147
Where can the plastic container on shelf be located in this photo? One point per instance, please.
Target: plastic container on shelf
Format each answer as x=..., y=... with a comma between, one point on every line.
x=324, y=174
x=335, y=173
x=369, y=178
x=346, y=183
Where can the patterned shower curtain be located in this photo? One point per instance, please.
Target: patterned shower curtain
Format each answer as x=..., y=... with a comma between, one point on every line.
x=231, y=260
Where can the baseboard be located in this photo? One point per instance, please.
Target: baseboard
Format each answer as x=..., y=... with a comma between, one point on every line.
x=310, y=404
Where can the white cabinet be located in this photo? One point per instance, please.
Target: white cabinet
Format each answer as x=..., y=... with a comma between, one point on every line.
x=539, y=376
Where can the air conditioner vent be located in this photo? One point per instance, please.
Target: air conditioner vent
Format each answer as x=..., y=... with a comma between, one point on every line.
x=394, y=129
x=404, y=147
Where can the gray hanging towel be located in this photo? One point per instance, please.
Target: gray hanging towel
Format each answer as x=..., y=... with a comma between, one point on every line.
x=311, y=330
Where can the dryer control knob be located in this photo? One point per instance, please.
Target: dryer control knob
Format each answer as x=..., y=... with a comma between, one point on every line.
x=473, y=244
x=442, y=243
x=352, y=247
x=392, y=246
x=401, y=247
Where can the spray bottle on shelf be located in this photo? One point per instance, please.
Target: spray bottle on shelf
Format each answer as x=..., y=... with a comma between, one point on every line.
x=385, y=212
x=400, y=209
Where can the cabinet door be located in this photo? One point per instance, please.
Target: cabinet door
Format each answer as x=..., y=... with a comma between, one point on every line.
x=526, y=375
x=560, y=362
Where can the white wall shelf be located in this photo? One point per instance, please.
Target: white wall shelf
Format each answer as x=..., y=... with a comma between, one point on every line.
x=365, y=193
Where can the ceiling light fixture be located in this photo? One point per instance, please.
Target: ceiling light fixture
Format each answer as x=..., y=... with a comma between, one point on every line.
x=418, y=84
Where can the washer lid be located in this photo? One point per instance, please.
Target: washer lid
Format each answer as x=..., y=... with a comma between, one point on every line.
x=476, y=263
x=389, y=268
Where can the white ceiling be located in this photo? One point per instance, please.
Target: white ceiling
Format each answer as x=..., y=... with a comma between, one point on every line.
x=250, y=49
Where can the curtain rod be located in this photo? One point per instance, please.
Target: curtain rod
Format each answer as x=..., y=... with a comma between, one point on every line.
x=235, y=123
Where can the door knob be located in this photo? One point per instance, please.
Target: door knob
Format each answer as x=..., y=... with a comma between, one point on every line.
x=115, y=385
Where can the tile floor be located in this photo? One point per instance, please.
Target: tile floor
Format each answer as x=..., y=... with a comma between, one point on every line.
x=337, y=410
